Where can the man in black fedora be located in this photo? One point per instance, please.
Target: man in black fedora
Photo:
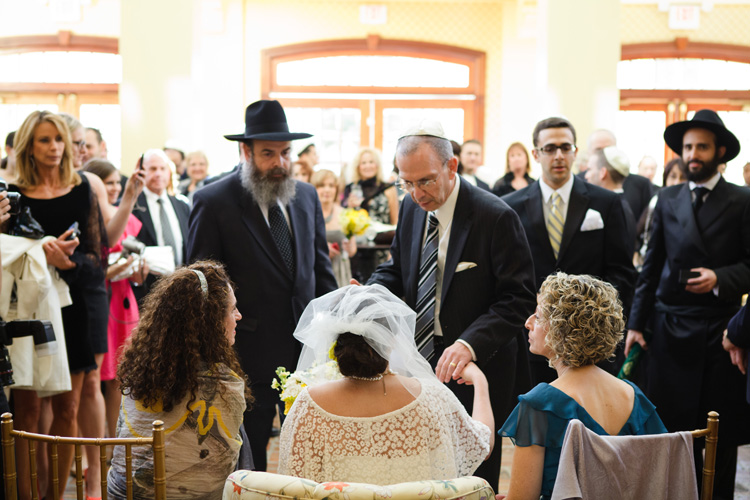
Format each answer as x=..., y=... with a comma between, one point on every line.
x=695, y=272
x=268, y=230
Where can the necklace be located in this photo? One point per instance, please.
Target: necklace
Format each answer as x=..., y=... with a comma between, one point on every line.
x=368, y=379
x=377, y=377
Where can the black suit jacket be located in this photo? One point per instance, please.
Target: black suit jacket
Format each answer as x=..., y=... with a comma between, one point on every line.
x=147, y=234
x=718, y=240
x=227, y=225
x=485, y=305
x=738, y=332
x=637, y=191
x=605, y=253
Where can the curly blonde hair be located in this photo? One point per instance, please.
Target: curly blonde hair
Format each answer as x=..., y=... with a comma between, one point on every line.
x=582, y=316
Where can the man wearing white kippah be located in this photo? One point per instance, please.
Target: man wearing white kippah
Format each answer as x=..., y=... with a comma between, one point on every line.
x=461, y=261
x=608, y=169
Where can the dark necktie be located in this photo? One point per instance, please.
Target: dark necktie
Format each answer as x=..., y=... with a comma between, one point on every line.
x=426, y=288
x=166, y=231
x=281, y=235
x=700, y=193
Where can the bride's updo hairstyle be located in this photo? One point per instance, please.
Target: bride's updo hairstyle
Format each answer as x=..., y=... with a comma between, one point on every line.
x=373, y=330
x=356, y=358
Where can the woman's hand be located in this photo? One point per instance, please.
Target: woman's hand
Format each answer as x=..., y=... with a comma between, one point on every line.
x=58, y=251
x=136, y=181
x=333, y=250
x=139, y=276
x=354, y=201
x=471, y=374
x=116, y=269
x=4, y=207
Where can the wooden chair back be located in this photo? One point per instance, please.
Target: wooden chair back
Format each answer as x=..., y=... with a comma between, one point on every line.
x=9, y=435
x=711, y=433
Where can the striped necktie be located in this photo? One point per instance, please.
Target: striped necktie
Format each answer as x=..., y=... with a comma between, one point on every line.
x=166, y=231
x=426, y=288
x=555, y=223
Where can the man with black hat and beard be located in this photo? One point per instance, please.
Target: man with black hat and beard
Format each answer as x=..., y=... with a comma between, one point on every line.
x=269, y=232
x=695, y=272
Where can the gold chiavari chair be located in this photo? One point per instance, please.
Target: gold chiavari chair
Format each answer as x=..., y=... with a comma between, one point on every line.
x=9, y=435
x=711, y=433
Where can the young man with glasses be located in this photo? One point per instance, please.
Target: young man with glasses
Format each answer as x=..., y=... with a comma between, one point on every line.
x=461, y=261
x=571, y=226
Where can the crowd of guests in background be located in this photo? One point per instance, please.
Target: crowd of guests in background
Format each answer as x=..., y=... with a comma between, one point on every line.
x=127, y=310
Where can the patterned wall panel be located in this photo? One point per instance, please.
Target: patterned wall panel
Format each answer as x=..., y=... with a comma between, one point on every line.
x=723, y=24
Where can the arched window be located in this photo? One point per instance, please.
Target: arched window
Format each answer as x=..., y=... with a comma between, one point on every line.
x=363, y=92
x=65, y=72
x=663, y=83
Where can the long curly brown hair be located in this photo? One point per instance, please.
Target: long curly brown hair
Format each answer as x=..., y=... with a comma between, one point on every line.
x=181, y=332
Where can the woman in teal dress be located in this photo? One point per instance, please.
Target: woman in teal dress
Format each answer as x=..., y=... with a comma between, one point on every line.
x=577, y=323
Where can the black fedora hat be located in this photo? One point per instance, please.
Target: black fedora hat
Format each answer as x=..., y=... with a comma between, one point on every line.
x=707, y=119
x=266, y=120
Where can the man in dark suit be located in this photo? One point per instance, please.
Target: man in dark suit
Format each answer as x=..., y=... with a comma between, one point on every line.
x=460, y=259
x=571, y=226
x=268, y=230
x=164, y=217
x=637, y=189
x=696, y=270
x=737, y=342
x=470, y=161
x=608, y=168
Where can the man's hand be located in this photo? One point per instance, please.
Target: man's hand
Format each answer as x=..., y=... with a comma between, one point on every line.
x=738, y=355
x=703, y=283
x=354, y=282
x=633, y=337
x=452, y=362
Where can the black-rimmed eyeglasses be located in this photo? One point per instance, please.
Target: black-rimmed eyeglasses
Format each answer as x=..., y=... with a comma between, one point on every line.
x=551, y=149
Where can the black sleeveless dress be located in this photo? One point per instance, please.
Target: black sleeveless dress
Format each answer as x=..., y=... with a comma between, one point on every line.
x=85, y=321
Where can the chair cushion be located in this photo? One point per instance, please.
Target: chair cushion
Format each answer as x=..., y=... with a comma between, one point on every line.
x=251, y=485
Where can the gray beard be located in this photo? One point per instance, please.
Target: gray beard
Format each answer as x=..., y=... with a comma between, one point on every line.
x=263, y=189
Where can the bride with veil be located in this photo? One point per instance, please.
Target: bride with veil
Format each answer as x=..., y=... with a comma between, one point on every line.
x=389, y=419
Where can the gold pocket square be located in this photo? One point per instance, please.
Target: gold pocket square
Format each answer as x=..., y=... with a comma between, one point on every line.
x=463, y=266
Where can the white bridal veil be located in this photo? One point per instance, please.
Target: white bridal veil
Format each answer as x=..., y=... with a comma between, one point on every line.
x=382, y=319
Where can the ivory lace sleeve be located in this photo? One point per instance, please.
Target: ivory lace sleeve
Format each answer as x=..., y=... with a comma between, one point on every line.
x=431, y=438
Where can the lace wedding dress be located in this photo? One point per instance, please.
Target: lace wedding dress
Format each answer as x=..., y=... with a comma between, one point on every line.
x=433, y=437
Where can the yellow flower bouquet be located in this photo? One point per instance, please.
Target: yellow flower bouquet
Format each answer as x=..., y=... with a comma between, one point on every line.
x=291, y=384
x=354, y=221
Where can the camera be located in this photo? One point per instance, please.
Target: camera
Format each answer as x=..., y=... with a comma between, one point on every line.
x=45, y=343
x=132, y=246
x=14, y=198
x=6, y=369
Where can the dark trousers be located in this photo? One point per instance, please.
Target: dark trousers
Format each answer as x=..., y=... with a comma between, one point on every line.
x=258, y=424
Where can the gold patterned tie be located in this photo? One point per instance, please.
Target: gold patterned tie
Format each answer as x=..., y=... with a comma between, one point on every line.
x=555, y=223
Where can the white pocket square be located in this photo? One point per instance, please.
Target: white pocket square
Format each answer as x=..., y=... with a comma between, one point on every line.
x=592, y=221
x=463, y=266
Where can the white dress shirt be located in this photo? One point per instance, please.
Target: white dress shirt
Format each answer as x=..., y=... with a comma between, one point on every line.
x=154, y=209
x=264, y=210
x=563, y=191
x=444, y=216
x=710, y=184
